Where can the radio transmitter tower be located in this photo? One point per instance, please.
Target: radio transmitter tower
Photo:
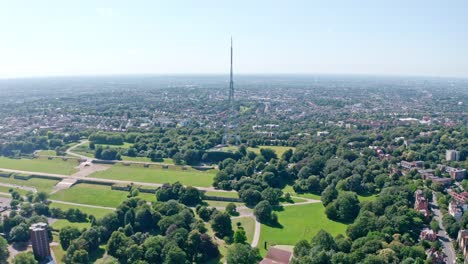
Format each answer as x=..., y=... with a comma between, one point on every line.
x=230, y=118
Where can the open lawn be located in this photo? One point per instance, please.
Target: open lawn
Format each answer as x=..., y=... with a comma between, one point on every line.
x=365, y=198
x=248, y=223
x=278, y=149
x=289, y=189
x=222, y=194
x=61, y=223
x=57, y=165
x=6, y=189
x=220, y=203
x=158, y=175
x=299, y=222
x=40, y=184
x=97, y=212
x=95, y=194
x=57, y=250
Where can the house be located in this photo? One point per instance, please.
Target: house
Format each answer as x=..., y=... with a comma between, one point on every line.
x=462, y=241
x=460, y=198
x=455, y=210
x=277, y=256
x=420, y=203
x=437, y=256
x=412, y=164
x=428, y=234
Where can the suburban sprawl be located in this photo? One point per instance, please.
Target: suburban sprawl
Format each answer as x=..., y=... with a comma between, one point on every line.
x=295, y=169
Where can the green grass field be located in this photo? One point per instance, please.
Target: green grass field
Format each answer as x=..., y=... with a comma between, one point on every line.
x=6, y=189
x=248, y=223
x=97, y=212
x=57, y=166
x=40, y=184
x=299, y=222
x=220, y=203
x=61, y=223
x=278, y=149
x=289, y=189
x=158, y=175
x=222, y=194
x=95, y=194
x=367, y=198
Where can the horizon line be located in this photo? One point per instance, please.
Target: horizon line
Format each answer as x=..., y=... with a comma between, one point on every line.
x=85, y=75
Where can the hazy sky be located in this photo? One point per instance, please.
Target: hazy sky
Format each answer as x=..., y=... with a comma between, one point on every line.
x=396, y=37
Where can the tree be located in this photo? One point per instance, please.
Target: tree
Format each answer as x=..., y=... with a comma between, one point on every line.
x=344, y=208
x=240, y=236
x=328, y=195
x=175, y=255
x=272, y=195
x=324, y=241
x=287, y=155
x=242, y=254
x=4, y=254
x=231, y=209
x=251, y=197
x=118, y=244
x=221, y=224
x=67, y=234
x=263, y=212
x=24, y=258
x=435, y=225
x=80, y=256
x=268, y=154
x=19, y=233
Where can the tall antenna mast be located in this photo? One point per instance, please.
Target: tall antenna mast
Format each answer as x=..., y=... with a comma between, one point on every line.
x=231, y=107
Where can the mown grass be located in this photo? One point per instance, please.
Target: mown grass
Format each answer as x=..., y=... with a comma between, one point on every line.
x=222, y=194
x=289, y=189
x=6, y=189
x=248, y=223
x=40, y=184
x=154, y=174
x=279, y=150
x=57, y=165
x=220, y=203
x=95, y=194
x=61, y=223
x=297, y=223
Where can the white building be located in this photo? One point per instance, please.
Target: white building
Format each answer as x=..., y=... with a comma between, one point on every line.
x=452, y=155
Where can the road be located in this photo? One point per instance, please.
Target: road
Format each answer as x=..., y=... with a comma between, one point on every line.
x=442, y=234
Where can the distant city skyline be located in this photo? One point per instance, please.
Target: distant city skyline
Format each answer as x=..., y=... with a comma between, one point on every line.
x=384, y=38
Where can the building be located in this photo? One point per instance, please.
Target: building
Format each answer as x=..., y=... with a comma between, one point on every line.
x=420, y=203
x=428, y=234
x=460, y=198
x=455, y=210
x=456, y=174
x=277, y=256
x=413, y=164
x=462, y=240
x=452, y=155
x=323, y=133
x=40, y=241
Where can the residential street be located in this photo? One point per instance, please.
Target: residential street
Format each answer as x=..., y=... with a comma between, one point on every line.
x=442, y=235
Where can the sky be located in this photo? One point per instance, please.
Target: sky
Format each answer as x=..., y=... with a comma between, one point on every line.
x=100, y=37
